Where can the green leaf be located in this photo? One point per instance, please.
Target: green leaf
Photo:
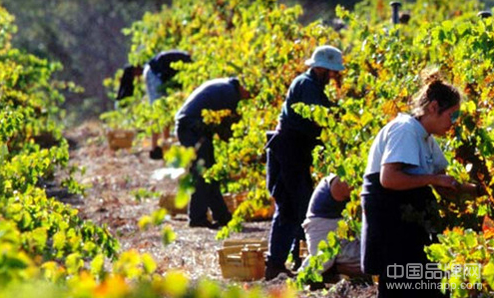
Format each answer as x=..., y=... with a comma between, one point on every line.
x=145, y=222
x=175, y=284
x=73, y=263
x=488, y=273
x=469, y=107
x=438, y=253
x=14, y=262
x=59, y=240
x=462, y=28
x=97, y=265
x=40, y=236
x=148, y=263
x=168, y=235
x=365, y=118
x=158, y=216
x=471, y=239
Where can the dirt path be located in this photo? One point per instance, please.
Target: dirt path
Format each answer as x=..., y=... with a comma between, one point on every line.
x=114, y=177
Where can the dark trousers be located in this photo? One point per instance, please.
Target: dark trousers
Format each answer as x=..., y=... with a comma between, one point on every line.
x=292, y=191
x=206, y=194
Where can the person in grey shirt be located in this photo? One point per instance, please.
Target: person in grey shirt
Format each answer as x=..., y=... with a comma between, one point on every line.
x=399, y=217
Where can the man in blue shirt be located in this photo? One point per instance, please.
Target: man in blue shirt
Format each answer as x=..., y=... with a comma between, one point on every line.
x=289, y=156
x=217, y=94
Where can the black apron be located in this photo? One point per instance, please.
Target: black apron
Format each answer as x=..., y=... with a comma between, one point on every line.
x=395, y=225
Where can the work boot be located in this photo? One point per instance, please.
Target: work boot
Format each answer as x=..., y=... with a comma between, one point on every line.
x=156, y=153
x=225, y=220
x=273, y=271
x=297, y=262
x=316, y=285
x=331, y=275
x=204, y=224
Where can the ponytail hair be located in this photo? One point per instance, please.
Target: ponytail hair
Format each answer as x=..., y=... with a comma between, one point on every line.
x=434, y=89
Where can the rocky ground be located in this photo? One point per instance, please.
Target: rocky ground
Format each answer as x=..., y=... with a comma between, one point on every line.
x=119, y=183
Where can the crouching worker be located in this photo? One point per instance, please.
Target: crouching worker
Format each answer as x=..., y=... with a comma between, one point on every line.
x=325, y=207
x=158, y=72
x=215, y=95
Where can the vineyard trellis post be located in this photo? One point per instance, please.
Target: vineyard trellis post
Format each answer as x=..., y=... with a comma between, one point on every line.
x=395, y=5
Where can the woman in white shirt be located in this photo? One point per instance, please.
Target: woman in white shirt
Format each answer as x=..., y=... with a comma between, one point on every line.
x=403, y=162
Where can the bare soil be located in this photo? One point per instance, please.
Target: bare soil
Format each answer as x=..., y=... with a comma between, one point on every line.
x=113, y=178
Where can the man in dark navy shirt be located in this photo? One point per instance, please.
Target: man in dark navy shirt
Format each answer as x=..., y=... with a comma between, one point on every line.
x=289, y=154
x=157, y=72
x=215, y=95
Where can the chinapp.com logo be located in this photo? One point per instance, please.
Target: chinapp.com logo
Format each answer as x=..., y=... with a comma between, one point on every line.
x=430, y=276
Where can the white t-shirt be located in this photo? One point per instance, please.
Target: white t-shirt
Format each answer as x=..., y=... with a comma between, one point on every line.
x=405, y=140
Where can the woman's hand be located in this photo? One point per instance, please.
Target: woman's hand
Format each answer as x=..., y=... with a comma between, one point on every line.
x=455, y=188
x=446, y=181
x=466, y=189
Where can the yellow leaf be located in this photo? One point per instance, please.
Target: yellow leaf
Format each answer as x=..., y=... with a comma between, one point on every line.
x=365, y=118
x=148, y=263
x=390, y=108
x=175, y=283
